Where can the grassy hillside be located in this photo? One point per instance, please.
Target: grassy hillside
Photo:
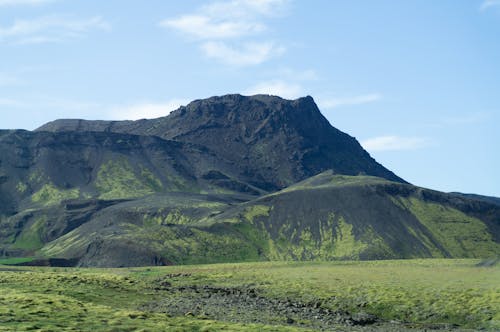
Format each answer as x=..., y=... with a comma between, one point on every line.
x=332, y=217
x=326, y=217
x=345, y=296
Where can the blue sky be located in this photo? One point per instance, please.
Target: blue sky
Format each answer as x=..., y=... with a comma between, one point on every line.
x=417, y=82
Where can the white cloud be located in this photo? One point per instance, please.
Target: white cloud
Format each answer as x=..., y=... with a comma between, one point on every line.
x=50, y=29
x=277, y=88
x=356, y=100
x=146, y=110
x=204, y=27
x=246, y=9
x=489, y=3
x=226, y=19
x=23, y=2
x=223, y=20
x=244, y=55
x=69, y=108
x=394, y=143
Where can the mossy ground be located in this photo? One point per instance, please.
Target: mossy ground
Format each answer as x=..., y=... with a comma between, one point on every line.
x=416, y=293
x=118, y=179
x=459, y=234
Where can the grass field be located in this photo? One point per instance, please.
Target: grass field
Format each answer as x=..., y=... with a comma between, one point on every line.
x=346, y=296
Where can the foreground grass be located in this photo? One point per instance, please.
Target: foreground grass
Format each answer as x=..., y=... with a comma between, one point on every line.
x=411, y=294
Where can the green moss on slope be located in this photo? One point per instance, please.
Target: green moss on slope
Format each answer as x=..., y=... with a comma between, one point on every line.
x=345, y=246
x=459, y=234
x=150, y=180
x=117, y=179
x=21, y=187
x=190, y=245
x=174, y=217
x=50, y=194
x=336, y=239
x=64, y=244
x=30, y=237
x=256, y=211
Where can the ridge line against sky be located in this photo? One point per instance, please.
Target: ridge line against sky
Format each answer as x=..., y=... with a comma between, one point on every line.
x=407, y=79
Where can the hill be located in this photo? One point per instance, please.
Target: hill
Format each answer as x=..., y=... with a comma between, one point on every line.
x=225, y=179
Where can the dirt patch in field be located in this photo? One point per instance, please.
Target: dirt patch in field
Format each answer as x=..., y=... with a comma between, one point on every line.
x=248, y=305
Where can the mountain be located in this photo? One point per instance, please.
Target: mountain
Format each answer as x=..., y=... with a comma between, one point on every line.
x=273, y=142
x=326, y=217
x=489, y=199
x=223, y=179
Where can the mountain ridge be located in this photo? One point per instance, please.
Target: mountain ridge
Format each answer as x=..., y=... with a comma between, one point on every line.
x=247, y=130
x=223, y=179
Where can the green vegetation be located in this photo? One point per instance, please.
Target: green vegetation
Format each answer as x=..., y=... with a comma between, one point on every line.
x=328, y=180
x=90, y=301
x=21, y=187
x=335, y=241
x=175, y=242
x=66, y=242
x=174, y=217
x=50, y=194
x=282, y=296
x=117, y=179
x=344, y=244
x=15, y=260
x=191, y=245
x=36, y=177
x=150, y=180
x=256, y=211
x=459, y=234
x=31, y=236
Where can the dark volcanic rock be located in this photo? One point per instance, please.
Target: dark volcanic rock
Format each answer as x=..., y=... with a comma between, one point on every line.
x=199, y=186
x=271, y=141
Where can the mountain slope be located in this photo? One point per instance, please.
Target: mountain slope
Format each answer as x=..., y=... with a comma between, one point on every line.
x=274, y=142
x=489, y=199
x=326, y=217
x=41, y=171
x=343, y=217
x=201, y=185
x=40, y=166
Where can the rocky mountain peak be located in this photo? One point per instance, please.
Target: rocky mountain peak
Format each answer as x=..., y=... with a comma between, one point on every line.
x=272, y=142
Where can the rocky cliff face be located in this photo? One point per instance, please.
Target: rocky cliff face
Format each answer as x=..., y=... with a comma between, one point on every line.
x=272, y=142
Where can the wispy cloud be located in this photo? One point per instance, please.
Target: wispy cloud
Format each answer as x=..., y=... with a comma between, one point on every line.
x=226, y=19
x=203, y=27
x=215, y=24
x=328, y=103
x=394, y=143
x=146, y=110
x=50, y=29
x=246, y=54
x=285, y=82
x=71, y=108
x=277, y=88
x=489, y=3
x=5, y=3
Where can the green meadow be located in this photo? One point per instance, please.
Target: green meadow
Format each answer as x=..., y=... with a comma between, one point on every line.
x=388, y=295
